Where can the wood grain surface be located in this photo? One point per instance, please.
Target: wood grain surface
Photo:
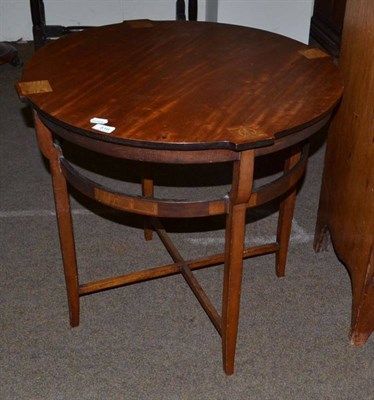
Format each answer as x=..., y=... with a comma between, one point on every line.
x=189, y=85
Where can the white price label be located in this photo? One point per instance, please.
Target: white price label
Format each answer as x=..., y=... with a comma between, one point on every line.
x=104, y=128
x=96, y=120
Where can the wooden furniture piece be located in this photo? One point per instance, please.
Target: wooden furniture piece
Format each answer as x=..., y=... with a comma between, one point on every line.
x=181, y=93
x=181, y=10
x=327, y=24
x=42, y=32
x=347, y=198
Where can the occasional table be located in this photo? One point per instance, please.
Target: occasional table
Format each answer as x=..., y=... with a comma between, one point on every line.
x=180, y=93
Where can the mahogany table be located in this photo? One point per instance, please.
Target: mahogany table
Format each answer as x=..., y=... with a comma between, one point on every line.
x=181, y=93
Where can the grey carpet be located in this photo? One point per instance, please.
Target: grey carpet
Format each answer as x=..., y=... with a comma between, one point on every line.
x=153, y=340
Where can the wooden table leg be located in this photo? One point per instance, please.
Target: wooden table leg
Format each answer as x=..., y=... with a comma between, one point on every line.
x=286, y=211
x=234, y=246
x=64, y=219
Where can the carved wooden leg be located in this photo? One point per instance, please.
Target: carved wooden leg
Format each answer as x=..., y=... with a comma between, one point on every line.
x=63, y=212
x=286, y=211
x=147, y=190
x=181, y=10
x=38, y=22
x=234, y=246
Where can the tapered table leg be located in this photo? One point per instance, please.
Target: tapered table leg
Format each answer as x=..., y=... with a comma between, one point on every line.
x=234, y=246
x=64, y=219
x=286, y=211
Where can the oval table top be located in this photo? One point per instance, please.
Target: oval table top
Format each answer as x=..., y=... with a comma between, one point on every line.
x=182, y=85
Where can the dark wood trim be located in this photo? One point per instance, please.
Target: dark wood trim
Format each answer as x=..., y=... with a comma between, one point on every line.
x=41, y=31
x=181, y=10
x=192, y=10
x=327, y=24
x=325, y=35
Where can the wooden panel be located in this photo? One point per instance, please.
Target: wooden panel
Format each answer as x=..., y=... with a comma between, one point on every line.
x=327, y=24
x=347, y=197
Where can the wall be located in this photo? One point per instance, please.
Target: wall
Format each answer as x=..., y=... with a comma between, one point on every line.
x=287, y=17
